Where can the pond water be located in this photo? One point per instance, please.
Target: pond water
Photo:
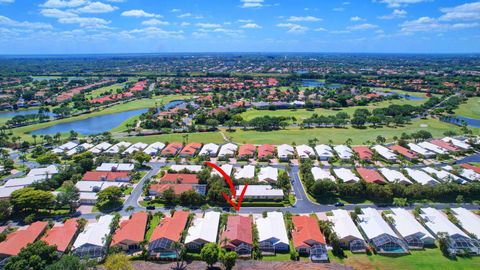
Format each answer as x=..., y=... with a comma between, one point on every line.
x=97, y=124
x=10, y=114
x=409, y=97
x=470, y=121
x=315, y=83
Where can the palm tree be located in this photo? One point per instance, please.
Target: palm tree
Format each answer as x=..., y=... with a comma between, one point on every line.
x=34, y=136
x=180, y=252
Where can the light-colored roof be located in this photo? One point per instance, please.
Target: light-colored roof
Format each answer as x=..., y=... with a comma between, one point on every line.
x=89, y=186
x=320, y=174
x=91, y=196
x=228, y=149
x=246, y=172
x=422, y=151
x=260, y=190
x=343, y=151
x=305, y=151
x=394, y=176
x=116, y=148
x=432, y=147
x=406, y=224
x=324, y=150
x=421, y=177
x=227, y=168
x=65, y=147
x=468, y=220
x=95, y=234
x=285, y=150
x=139, y=146
x=50, y=170
x=204, y=228
x=192, y=168
x=384, y=152
x=154, y=148
x=470, y=175
x=99, y=148
x=457, y=143
x=6, y=192
x=437, y=222
x=108, y=167
x=24, y=181
x=209, y=149
x=373, y=224
x=268, y=174
x=443, y=175
x=346, y=175
x=272, y=227
x=343, y=224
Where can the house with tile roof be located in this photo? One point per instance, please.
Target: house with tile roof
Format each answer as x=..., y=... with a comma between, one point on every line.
x=106, y=176
x=92, y=242
x=62, y=235
x=19, y=239
x=190, y=149
x=272, y=233
x=165, y=234
x=172, y=149
x=246, y=151
x=237, y=235
x=202, y=231
x=308, y=239
x=371, y=176
x=363, y=152
x=407, y=153
x=130, y=232
x=266, y=152
x=179, y=178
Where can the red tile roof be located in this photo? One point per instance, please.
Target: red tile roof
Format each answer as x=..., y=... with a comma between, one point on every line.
x=172, y=149
x=132, y=229
x=238, y=230
x=266, y=150
x=445, y=145
x=171, y=227
x=105, y=176
x=306, y=232
x=364, y=153
x=471, y=167
x=190, y=149
x=62, y=236
x=177, y=188
x=371, y=176
x=21, y=238
x=403, y=151
x=246, y=150
x=179, y=178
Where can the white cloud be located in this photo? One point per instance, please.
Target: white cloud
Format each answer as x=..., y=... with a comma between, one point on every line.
x=251, y=3
x=250, y=26
x=6, y=1
x=57, y=13
x=357, y=19
x=184, y=15
x=97, y=7
x=400, y=3
x=244, y=21
x=85, y=22
x=139, y=13
x=63, y=3
x=293, y=28
x=397, y=13
x=361, y=27
x=184, y=24
x=208, y=25
x=25, y=24
x=154, y=32
x=468, y=11
x=427, y=24
x=152, y=22
x=303, y=19
x=175, y=10
x=320, y=29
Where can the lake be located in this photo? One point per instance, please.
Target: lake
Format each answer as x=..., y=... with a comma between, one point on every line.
x=97, y=124
x=317, y=83
x=10, y=114
x=470, y=121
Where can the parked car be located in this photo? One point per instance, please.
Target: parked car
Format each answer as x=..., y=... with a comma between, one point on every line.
x=151, y=207
x=339, y=204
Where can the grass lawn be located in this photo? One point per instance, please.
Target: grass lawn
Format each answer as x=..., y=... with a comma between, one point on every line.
x=303, y=113
x=470, y=109
x=97, y=92
x=203, y=137
x=417, y=260
x=153, y=224
x=283, y=257
x=133, y=105
x=339, y=136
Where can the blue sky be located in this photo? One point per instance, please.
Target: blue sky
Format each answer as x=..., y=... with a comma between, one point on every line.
x=155, y=26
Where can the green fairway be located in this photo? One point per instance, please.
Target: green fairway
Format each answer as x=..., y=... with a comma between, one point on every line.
x=203, y=137
x=338, y=136
x=301, y=114
x=417, y=260
x=136, y=104
x=97, y=92
x=470, y=109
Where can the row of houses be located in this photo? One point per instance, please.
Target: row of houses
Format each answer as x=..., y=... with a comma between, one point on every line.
x=34, y=175
x=284, y=152
x=421, y=175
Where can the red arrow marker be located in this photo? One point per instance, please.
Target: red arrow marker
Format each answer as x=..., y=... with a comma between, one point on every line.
x=232, y=188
